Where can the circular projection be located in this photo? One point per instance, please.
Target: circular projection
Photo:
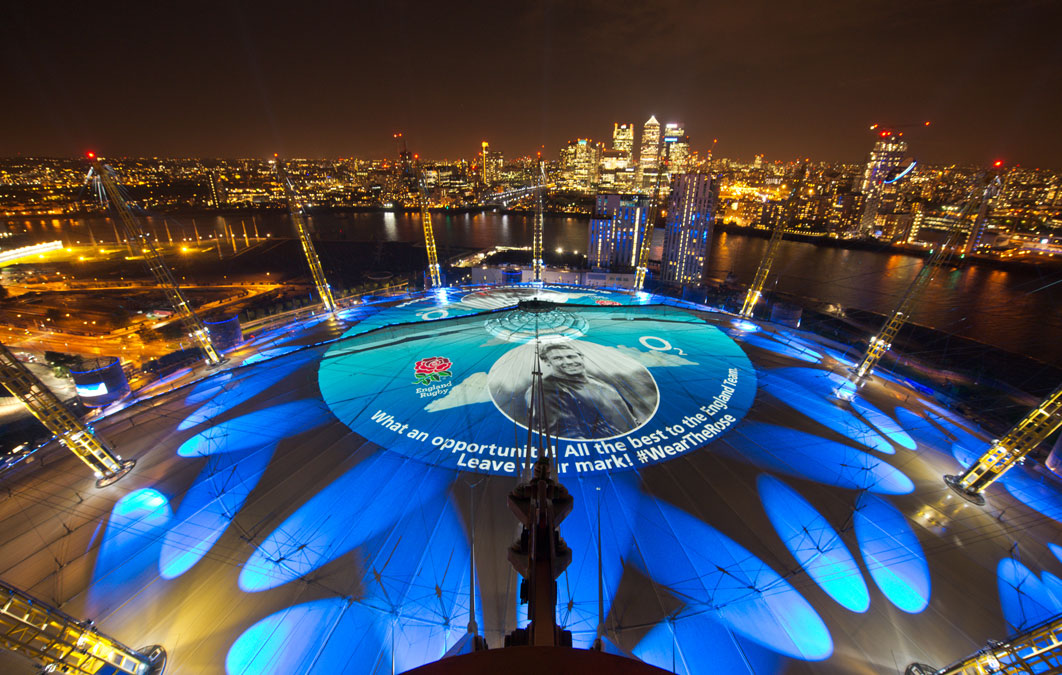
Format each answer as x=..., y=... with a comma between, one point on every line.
x=451, y=303
x=632, y=386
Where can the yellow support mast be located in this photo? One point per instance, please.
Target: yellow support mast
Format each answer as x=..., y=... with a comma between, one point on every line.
x=58, y=643
x=882, y=342
x=1023, y=438
x=143, y=245
x=74, y=434
x=297, y=207
x=1036, y=650
x=758, y=281
x=434, y=272
x=647, y=236
x=536, y=253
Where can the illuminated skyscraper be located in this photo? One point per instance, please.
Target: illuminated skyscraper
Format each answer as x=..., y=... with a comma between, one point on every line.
x=623, y=138
x=883, y=164
x=884, y=160
x=580, y=162
x=688, y=232
x=491, y=165
x=649, y=154
x=676, y=149
x=616, y=230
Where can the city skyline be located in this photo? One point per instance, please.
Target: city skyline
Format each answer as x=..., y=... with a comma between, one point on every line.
x=232, y=81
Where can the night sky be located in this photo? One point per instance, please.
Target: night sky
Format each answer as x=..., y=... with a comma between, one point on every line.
x=324, y=79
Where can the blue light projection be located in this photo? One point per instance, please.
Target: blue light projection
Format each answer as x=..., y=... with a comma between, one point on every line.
x=1056, y=549
x=335, y=635
x=414, y=606
x=689, y=645
x=257, y=429
x=130, y=547
x=1054, y=587
x=210, y=505
x=205, y=389
x=1040, y=493
x=922, y=430
x=804, y=455
x=245, y=387
x=708, y=570
x=1026, y=601
x=814, y=543
x=267, y=354
x=452, y=394
x=883, y=423
x=360, y=504
x=792, y=351
x=418, y=576
x=577, y=587
x=784, y=386
x=961, y=435
x=827, y=383
x=892, y=554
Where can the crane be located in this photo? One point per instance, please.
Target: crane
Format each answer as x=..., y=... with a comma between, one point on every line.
x=74, y=434
x=297, y=206
x=882, y=342
x=144, y=245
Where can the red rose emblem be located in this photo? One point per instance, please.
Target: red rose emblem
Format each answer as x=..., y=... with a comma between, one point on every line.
x=432, y=369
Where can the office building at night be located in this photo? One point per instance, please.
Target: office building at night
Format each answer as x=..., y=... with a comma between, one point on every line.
x=688, y=232
x=580, y=161
x=616, y=230
x=649, y=153
x=491, y=165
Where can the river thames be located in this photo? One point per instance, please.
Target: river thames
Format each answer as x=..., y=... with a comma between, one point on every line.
x=1016, y=310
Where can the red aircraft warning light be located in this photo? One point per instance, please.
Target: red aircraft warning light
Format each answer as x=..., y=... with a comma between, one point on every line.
x=998, y=163
x=90, y=154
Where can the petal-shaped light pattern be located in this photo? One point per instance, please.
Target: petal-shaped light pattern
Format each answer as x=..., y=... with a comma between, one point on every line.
x=362, y=503
x=577, y=587
x=814, y=543
x=335, y=635
x=699, y=643
x=967, y=454
x=257, y=429
x=418, y=573
x=827, y=384
x=210, y=505
x=794, y=351
x=1054, y=587
x=706, y=569
x=1056, y=549
x=883, y=423
x=892, y=554
x=1038, y=492
x=922, y=430
x=243, y=388
x=961, y=435
x=808, y=456
x=207, y=388
x=1026, y=601
x=130, y=546
x=267, y=354
x=784, y=385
